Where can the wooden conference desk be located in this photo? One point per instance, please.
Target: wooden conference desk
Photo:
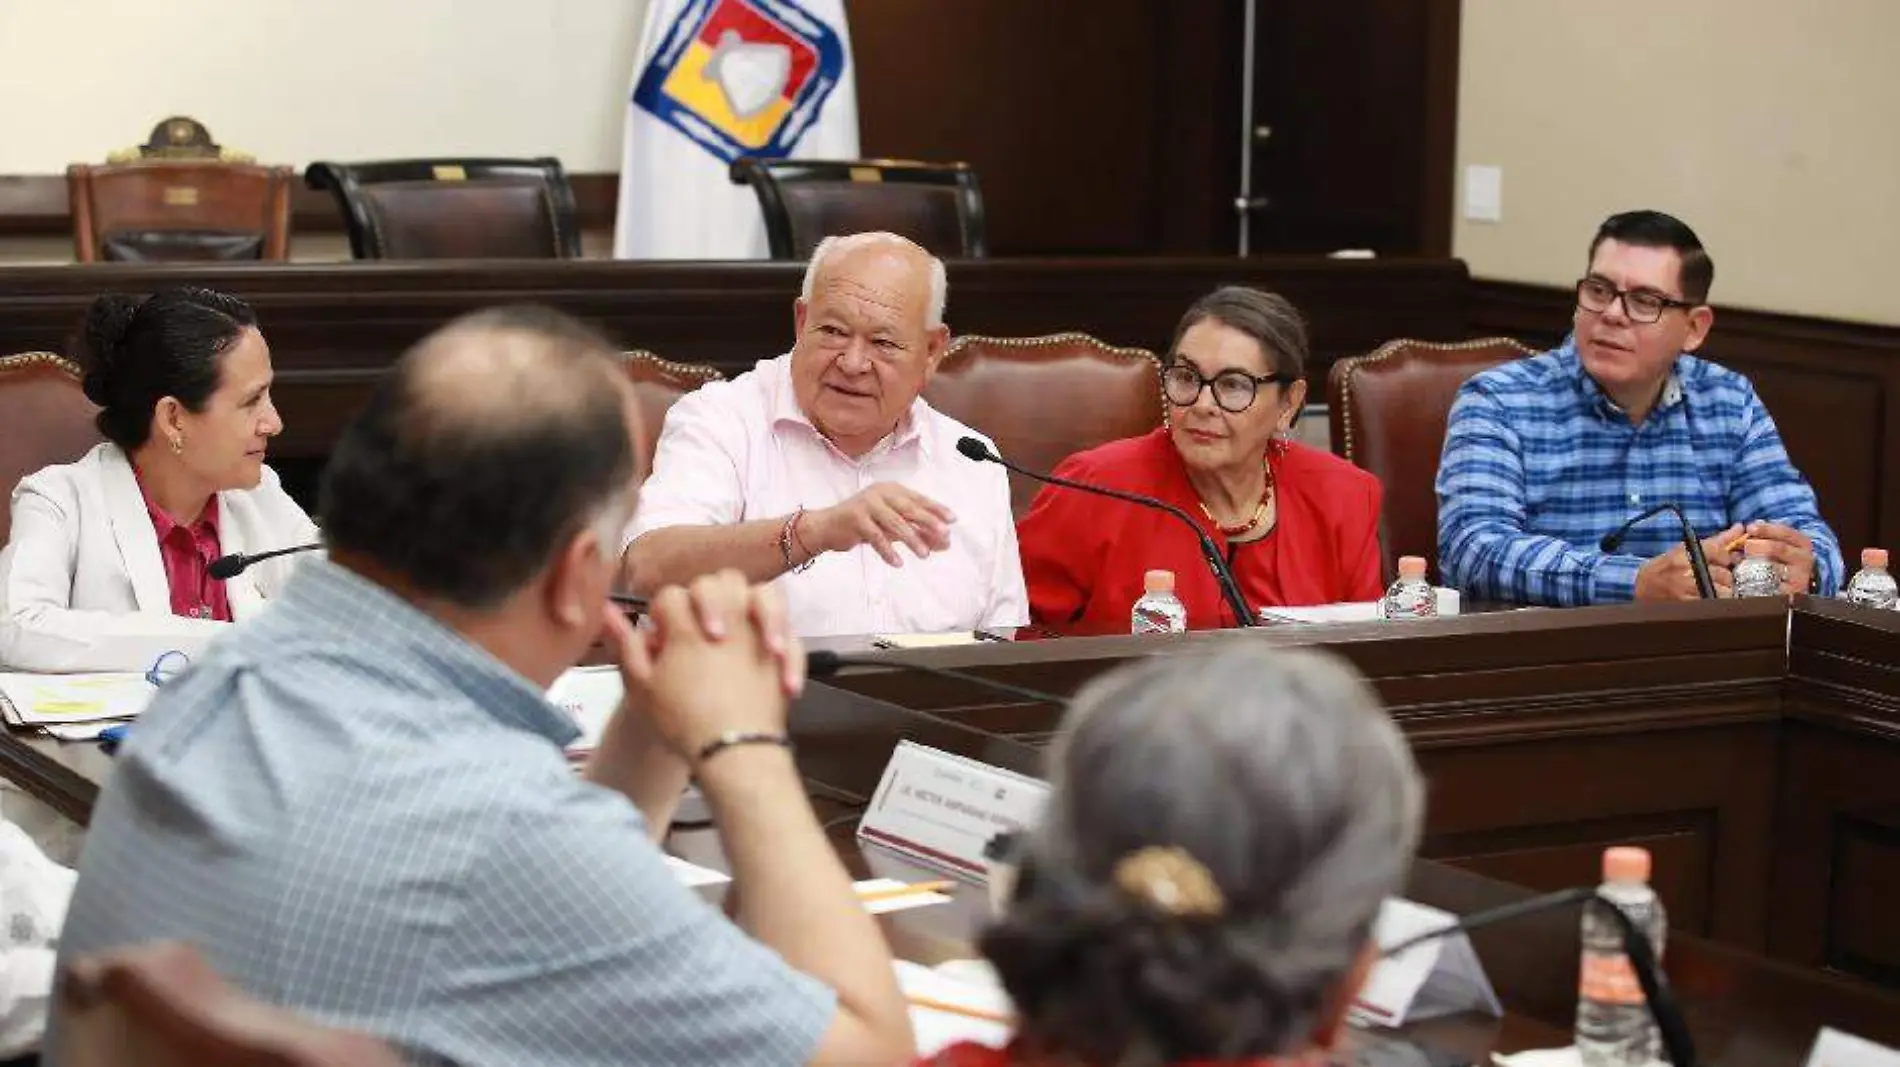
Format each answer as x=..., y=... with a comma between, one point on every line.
x=1753, y=747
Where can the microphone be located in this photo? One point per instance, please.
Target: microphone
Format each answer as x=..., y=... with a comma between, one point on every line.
x=975, y=449
x=825, y=663
x=1698, y=563
x=237, y=562
x=1670, y=1024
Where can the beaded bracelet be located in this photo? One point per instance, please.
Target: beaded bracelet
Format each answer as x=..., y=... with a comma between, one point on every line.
x=785, y=537
x=734, y=738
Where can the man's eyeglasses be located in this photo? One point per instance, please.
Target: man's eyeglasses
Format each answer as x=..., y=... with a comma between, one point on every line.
x=1641, y=305
x=167, y=666
x=1234, y=390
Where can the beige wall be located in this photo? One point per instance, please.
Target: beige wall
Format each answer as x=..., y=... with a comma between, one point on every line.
x=1768, y=125
x=292, y=80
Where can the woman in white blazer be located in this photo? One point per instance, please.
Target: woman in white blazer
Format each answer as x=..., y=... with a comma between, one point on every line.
x=182, y=379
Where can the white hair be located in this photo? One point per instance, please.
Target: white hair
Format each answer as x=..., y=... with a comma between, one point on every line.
x=939, y=279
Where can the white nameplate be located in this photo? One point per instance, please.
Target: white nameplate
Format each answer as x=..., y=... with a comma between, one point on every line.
x=941, y=809
x=1835, y=1049
x=1438, y=977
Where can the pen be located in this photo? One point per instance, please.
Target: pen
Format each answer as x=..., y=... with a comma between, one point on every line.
x=904, y=891
x=958, y=1009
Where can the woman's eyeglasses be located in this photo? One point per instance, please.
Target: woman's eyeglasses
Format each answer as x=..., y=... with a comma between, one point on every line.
x=1234, y=390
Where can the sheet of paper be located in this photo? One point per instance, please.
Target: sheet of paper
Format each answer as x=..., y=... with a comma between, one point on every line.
x=1833, y=1048
x=908, y=900
x=39, y=699
x=1356, y=611
x=692, y=874
x=959, y=637
x=81, y=731
x=589, y=695
x=945, y=1010
x=1540, y=1057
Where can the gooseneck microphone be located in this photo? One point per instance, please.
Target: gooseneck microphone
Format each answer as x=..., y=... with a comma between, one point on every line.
x=1670, y=1024
x=1698, y=563
x=238, y=562
x=825, y=663
x=975, y=449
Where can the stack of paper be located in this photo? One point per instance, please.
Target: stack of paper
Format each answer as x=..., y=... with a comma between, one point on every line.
x=72, y=706
x=953, y=1004
x=589, y=695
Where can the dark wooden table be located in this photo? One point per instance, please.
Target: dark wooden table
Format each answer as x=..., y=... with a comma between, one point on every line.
x=1754, y=747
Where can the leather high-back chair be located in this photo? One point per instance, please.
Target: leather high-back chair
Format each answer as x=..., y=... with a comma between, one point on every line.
x=179, y=210
x=937, y=205
x=454, y=208
x=161, y=1005
x=1043, y=399
x=1388, y=412
x=658, y=384
x=47, y=420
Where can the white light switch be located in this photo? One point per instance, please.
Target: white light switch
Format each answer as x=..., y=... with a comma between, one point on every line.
x=1484, y=193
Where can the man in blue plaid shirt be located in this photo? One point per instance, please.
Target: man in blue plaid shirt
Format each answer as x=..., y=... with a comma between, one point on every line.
x=1546, y=455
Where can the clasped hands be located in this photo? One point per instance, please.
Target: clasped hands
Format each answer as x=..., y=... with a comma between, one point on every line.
x=718, y=658
x=1670, y=577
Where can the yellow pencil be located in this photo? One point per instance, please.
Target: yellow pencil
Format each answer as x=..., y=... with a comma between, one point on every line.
x=1735, y=544
x=867, y=895
x=958, y=1009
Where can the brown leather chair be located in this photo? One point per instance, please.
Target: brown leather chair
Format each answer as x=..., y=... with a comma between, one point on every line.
x=161, y=1005
x=47, y=419
x=161, y=210
x=658, y=384
x=938, y=205
x=1388, y=412
x=1043, y=399
x=454, y=208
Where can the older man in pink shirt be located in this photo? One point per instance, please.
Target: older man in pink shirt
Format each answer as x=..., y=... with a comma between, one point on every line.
x=825, y=470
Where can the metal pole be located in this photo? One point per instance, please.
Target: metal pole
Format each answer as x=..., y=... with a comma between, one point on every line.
x=1243, y=204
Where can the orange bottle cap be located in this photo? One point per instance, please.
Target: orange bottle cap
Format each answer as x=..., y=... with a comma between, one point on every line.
x=1873, y=557
x=1412, y=567
x=1158, y=581
x=1626, y=863
x=1755, y=546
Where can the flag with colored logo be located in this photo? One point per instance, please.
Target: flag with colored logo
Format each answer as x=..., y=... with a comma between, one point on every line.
x=716, y=80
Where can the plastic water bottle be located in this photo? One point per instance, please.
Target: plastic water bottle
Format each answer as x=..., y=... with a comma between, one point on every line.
x=1873, y=586
x=1411, y=597
x=1614, y=1027
x=1159, y=611
x=1756, y=575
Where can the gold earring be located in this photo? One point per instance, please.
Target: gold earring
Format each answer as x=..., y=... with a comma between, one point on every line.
x=178, y=445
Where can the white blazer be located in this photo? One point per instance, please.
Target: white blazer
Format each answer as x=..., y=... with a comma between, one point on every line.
x=82, y=586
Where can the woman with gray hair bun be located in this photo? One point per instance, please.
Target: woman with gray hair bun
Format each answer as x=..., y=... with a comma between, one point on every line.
x=1221, y=832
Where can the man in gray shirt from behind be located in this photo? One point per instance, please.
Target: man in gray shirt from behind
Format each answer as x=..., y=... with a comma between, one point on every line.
x=358, y=805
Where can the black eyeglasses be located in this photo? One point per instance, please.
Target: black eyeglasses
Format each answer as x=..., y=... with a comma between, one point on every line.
x=1642, y=305
x=1234, y=390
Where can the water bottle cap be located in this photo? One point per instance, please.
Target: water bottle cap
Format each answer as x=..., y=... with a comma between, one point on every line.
x=1412, y=567
x=1158, y=581
x=1755, y=546
x=1873, y=557
x=1626, y=863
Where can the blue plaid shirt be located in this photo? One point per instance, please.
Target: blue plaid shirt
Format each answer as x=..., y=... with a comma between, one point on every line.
x=1540, y=464
x=358, y=814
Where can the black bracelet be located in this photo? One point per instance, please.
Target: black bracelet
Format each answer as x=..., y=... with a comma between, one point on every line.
x=734, y=738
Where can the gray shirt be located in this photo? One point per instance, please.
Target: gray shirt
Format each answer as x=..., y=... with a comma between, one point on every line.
x=358, y=814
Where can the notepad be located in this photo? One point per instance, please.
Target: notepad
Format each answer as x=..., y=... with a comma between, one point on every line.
x=589, y=695
x=949, y=1006
x=45, y=699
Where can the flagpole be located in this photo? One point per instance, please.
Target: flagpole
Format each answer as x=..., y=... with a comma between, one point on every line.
x=1243, y=204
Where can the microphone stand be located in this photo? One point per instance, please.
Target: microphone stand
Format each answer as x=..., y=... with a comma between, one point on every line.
x=1224, y=578
x=1660, y=999
x=1698, y=562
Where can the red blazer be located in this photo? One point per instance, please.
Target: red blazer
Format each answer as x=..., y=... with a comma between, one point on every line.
x=1084, y=555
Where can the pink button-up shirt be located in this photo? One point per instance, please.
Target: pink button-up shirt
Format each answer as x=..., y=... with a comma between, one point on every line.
x=743, y=450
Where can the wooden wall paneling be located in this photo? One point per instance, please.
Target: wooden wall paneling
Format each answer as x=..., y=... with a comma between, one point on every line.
x=1832, y=387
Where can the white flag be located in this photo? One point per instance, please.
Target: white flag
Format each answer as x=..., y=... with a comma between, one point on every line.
x=716, y=80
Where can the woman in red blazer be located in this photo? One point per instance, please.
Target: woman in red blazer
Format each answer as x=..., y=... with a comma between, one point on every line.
x=1298, y=526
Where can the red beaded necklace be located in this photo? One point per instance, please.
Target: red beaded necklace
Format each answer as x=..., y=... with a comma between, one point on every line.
x=1259, y=512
